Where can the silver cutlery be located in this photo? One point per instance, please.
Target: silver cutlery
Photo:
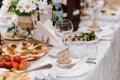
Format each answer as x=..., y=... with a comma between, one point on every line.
x=47, y=66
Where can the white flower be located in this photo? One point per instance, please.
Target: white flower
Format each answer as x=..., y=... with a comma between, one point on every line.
x=29, y=7
x=20, y=7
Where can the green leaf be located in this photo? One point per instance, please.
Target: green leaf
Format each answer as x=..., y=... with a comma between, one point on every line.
x=92, y=34
x=103, y=11
x=113, y=14
x=14, y=3
x=10, y=28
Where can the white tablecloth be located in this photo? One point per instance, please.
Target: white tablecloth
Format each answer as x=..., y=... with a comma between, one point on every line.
x=107, y=61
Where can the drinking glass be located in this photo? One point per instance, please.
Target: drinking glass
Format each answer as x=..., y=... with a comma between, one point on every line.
x=63, y=28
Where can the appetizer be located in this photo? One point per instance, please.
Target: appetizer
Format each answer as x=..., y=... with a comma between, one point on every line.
x=82, y=37
x=14, y=76
x=16, y=32
x=108, y=12
x=25, y=50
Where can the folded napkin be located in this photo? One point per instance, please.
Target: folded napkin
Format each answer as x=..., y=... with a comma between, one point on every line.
x=40, y=74
x=45, y=32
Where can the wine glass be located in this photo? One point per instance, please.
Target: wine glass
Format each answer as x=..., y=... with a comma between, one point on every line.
x=63, y=28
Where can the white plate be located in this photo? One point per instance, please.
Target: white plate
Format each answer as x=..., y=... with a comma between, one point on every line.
x=82, y=70
x=91, y=29
x=79, y=69
x=108, y=17
x=27, y=56
x=11, y=38
x=93, y=41
x=84, y=42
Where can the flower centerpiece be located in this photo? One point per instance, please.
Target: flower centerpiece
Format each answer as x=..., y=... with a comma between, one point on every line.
x=25, y=10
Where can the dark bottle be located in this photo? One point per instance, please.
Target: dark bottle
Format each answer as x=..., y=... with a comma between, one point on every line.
x=57, y=11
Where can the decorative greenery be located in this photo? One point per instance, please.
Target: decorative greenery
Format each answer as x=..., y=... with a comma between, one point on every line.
x=10, y=28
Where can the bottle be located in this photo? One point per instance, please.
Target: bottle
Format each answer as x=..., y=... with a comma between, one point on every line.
x=57, y=11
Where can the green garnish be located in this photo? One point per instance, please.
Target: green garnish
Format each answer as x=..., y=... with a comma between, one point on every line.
x=113, y=14
x=103, y=11
x=10, y=28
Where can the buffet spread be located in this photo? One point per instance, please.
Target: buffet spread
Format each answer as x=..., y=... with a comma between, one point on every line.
x=32, y=50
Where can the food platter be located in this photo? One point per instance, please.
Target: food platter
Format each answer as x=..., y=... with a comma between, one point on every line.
x=82, y=38
x=13, y=33
x=27, y=50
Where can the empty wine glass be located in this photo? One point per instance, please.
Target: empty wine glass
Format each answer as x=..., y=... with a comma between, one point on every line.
x=63, y=28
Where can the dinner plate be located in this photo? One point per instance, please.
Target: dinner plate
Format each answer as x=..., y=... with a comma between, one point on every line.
x=77, y=72
x=79, y=69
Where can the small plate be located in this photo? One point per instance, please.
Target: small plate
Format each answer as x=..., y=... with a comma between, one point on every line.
x=95, y=29
x=73, y=62
x=16, y=39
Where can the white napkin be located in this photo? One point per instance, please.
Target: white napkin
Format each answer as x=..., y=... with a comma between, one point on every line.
x=41, y=74
x=46, y=32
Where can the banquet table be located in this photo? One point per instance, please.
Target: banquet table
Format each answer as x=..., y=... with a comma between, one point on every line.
x=107, y=63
